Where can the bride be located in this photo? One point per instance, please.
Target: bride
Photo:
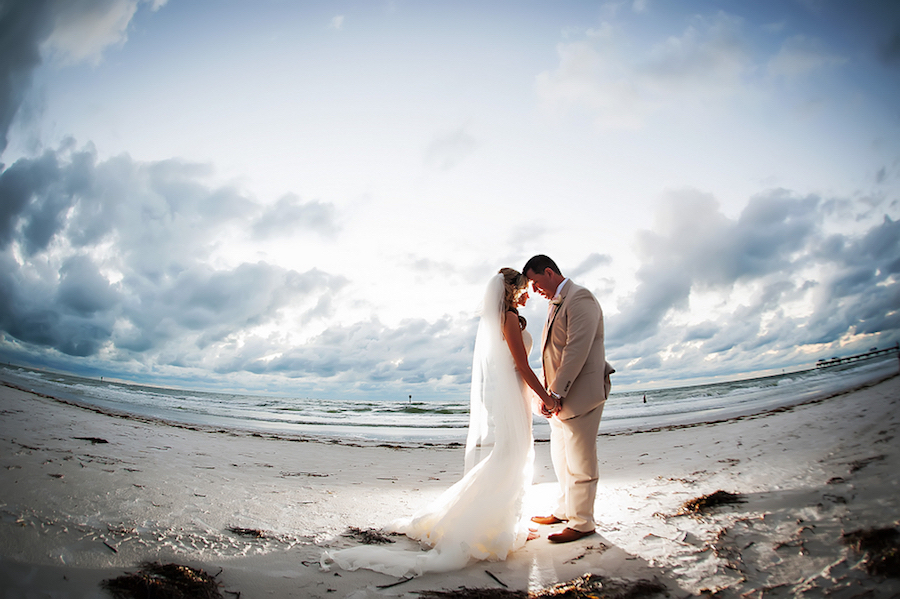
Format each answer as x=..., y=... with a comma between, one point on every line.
x=480, y=516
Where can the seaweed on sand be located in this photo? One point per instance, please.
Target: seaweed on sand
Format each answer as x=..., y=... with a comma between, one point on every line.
x=699, y=505
x=589, y=586
x=247, y=532
x=93, y=440
x=164, y=581
x=881, y=547
x=368, y=536
x=467, y=593
x=594, y=586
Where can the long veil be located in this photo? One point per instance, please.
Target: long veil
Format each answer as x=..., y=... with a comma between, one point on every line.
x=494, y=378
x=480, y=516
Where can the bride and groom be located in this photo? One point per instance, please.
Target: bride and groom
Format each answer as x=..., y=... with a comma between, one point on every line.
x=480, y=516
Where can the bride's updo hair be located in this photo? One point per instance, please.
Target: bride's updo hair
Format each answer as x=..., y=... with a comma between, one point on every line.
x=515, y=283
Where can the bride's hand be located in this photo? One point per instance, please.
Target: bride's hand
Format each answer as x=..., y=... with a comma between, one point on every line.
x=549, y=405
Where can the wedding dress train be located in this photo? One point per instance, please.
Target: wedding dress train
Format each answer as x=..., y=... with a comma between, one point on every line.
x=480, y=516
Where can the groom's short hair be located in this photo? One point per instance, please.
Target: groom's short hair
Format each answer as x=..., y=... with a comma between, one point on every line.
x=539, y=264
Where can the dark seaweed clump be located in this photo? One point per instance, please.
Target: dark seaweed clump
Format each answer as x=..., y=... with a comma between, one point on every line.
x=368, y=536
x=467, y=593
x=589, y=586
x=593, y=586
x=254, y=533
x=699, y=505
x=164, y=581
x=881, y=547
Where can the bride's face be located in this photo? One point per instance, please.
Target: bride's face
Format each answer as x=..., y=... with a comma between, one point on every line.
x=523, y=297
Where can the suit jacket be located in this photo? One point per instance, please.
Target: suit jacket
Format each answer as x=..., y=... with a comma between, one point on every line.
x=573, y=352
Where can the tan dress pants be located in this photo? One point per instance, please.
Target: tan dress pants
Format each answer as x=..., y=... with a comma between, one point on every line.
x=573, y=450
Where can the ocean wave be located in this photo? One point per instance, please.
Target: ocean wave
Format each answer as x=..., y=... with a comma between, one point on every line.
x=442, y=421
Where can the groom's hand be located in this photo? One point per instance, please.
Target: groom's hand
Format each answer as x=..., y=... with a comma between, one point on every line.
x=554, y=407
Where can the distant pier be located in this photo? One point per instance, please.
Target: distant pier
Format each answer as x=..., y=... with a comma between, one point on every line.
x=873, y=353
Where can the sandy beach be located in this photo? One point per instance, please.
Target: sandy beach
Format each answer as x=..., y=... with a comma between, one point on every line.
x=89, y=496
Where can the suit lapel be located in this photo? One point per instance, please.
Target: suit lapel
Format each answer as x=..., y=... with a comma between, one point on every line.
x=562, y=300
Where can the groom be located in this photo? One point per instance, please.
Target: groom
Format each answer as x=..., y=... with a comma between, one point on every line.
x=577, y=376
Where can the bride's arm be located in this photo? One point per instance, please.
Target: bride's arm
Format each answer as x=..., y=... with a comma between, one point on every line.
x=512, y=332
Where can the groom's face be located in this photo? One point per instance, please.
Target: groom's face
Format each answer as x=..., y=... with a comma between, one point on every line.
x=541, y=282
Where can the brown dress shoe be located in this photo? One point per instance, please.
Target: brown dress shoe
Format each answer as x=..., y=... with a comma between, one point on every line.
x=547, y=519
x=568, y=535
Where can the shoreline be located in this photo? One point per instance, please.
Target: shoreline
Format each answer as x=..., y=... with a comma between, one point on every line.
x=362, y=442
x=77, y=510
x=760, y=414
x=394, y=422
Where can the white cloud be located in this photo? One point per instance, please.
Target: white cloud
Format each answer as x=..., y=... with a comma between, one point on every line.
x=83, y=29
x=801, y=55
x=709, y=59
x=640, y=5
x=599, y=81
x=291, y=216
x=449, y=150
x=623, y=85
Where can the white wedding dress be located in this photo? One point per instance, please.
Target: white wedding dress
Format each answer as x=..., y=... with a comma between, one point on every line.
x=480, y=516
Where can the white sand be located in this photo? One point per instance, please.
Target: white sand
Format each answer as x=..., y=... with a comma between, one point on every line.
x=74, y=512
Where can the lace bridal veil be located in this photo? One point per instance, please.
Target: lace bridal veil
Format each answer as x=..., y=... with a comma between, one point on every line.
x=480, y=516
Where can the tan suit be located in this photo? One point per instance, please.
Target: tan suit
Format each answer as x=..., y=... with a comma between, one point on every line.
x=575, y=367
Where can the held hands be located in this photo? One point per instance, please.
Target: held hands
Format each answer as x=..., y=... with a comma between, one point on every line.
x=551, y=404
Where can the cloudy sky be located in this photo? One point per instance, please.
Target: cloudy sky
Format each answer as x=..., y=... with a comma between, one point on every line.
x=308, y=197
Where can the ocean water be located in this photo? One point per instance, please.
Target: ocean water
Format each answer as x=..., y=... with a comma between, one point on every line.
x=442, y=422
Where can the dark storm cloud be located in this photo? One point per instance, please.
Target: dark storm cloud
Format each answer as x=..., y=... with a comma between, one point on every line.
x=215, y=304
x=56, y=309
x=861, y=294
x=38, y=193
x=162, y=206
x=651, y=301
x=71, y=30
x=114, y=255
x=82, y=289
x=884, y=28
x=696, y=245
x=700, y=332
x=775, y=243
x=890, y=49
x=369, y=354
x=23, y=25
x=650, y=362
